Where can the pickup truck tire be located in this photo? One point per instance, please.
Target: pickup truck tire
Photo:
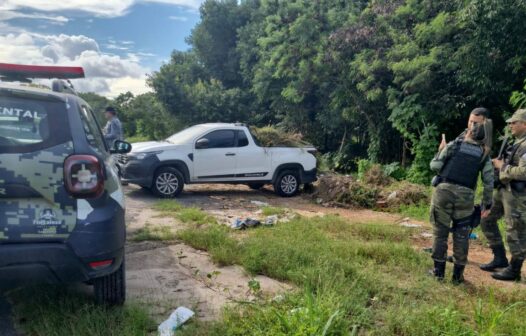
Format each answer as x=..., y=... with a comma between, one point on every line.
x=168, y=182
x=287, y=184
x=256, y=186
x=111, y=289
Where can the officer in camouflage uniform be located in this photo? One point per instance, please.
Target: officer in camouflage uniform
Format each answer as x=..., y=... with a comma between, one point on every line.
x=458, y=164
x=512, y=174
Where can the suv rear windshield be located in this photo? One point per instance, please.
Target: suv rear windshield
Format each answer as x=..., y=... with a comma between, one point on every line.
x=29, y=124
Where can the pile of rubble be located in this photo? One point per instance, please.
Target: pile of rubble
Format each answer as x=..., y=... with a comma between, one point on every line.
x=374, y=190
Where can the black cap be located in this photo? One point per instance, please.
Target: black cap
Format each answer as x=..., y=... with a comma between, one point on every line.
x=481, y=111
x=111, y=110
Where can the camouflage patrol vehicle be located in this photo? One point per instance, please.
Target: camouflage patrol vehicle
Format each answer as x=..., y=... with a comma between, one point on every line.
x=61, y=203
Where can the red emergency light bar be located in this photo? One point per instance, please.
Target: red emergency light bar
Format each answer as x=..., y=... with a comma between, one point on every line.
x=20, y=71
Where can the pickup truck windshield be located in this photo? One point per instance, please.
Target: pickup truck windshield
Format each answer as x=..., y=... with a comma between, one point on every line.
x=186, y=136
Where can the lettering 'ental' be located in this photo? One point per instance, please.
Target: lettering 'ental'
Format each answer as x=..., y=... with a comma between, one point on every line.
x=17, y=112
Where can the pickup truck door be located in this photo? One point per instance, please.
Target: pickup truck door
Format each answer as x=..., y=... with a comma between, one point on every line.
x=253, y=162
x=217, y=162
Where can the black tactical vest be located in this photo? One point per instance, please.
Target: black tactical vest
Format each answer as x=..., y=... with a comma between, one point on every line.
x=464, y=165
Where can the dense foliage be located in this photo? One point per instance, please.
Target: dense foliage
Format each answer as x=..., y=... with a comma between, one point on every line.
x=377, y=79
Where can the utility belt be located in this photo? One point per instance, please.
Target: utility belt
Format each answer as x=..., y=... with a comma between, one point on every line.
x=470, y=222
x=439, y=179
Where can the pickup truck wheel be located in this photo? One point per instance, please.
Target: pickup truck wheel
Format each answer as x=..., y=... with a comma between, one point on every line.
x=256, y=186
x=168, y=182
x=287, y=184
x=111, y=289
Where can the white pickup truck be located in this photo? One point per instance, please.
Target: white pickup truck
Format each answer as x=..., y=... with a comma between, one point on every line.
x=216, y=153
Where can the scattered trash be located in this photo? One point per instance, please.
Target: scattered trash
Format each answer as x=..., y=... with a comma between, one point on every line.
x=238, y=224
x=392, y=196
x=278, y=298
x=473, y=236
x=259, y=203
x=427, y=235
x=271, y=220
x=252, y=222
x=410, y=225
x=179, y=317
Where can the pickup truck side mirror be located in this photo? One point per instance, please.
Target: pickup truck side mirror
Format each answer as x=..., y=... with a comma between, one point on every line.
x=121, y=147
x=202, y=143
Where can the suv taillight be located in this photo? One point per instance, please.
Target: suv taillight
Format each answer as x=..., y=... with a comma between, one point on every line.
x=83, y=176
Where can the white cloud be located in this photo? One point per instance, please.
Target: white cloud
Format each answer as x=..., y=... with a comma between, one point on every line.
x=106, y=8
x=6, y=15
x=105, y=74
x=178, y=18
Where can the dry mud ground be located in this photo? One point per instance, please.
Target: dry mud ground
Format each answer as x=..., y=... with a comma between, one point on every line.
x=165, y=276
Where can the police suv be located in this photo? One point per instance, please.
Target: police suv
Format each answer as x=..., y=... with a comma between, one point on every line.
x=217, y=153
x=61, y=203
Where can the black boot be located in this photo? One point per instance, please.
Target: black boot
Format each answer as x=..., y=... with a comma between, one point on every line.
x=510, y=273
x=439, y=270
x=499, y=259
x=458, y=274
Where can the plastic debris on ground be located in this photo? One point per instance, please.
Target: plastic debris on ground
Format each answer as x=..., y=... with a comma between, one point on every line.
x=473, y=236
x=252, y=222
x=259, y=203
x=271, y=220
x=238, y=224
x=411, y=225
x=179, y=317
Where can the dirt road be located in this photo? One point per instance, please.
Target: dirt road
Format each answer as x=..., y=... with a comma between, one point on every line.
x=168, y=276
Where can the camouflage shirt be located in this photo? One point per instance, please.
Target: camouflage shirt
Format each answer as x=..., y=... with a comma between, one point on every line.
x=487, y=169
x=515, y=167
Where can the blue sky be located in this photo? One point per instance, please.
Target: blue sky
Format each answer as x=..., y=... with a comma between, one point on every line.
x=117, y=41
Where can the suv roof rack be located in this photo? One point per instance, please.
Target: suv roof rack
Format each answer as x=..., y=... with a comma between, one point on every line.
x=24, y=73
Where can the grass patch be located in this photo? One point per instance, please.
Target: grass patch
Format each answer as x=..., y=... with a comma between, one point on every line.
x=415, y=211
x=57, y=311
x=168, y=206
x=154, y=232
x=352, y=279
x=270, y=211
x=195, y=216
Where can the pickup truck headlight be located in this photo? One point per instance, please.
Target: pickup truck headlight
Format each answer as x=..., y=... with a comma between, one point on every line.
x=142, y=156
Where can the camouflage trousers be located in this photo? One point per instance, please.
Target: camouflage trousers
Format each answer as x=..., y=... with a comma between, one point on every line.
x=489, y=225
x=515, y=215
x=451, y=202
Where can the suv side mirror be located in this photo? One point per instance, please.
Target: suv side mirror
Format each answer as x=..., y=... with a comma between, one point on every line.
x=202, y=143
x=121, y=147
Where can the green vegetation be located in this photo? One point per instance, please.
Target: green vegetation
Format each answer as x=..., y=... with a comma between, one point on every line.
x=151, y=232
x=417, y=211
x=378, y=80
x=351, y=278
x=58, y=311
x=269, y=211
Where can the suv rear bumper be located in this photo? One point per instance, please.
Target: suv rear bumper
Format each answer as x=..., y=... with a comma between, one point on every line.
x=50, y=263
x=309, y=176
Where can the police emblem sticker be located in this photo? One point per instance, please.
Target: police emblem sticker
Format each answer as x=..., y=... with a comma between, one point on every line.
x=47, y=218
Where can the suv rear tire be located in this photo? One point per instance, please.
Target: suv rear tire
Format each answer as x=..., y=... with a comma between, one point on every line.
x=168, y=182
x=287, y=184
x=111, y=289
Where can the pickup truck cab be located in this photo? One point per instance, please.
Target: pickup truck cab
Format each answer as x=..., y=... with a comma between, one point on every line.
x=216, y=153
